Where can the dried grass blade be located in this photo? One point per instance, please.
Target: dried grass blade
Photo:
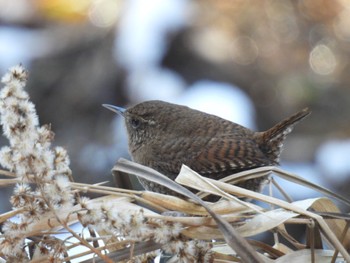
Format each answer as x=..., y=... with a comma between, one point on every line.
x=333, y=215
x=293, y=207
x=187, y=221
x=220, y=255
x=192, y=179
x=100, y=187
x=7, y=173
x=7, y=215
x=7, y=182
x=265, y=221
x=262, y=171
x=173, y=203
x=248, y=174
x=239, y=244
x=281, y=190
x=297, y=179
x=241, y=176
x=203, y=233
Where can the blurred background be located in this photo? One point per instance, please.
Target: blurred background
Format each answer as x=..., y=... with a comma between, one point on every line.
x=253, y=62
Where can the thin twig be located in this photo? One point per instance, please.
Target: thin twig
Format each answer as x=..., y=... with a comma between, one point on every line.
x=7, y=173
x=281, y=190
x=312, y=239
x=12, y=213
x=336, y=251
x=65, y=225
x=107, y=188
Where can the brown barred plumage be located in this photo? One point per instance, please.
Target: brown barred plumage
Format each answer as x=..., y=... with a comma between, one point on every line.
x=164, y=136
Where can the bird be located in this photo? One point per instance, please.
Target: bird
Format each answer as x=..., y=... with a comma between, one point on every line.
x=164, y=136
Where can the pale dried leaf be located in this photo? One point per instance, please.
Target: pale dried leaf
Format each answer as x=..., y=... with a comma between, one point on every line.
x=337, y=225
x=192, y=179
x=265, y=221
x=203, y=233
x=293, y=207
x=173, y=203
x=246, y=252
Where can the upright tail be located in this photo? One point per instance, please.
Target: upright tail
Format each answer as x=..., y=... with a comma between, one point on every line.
x=271, y=141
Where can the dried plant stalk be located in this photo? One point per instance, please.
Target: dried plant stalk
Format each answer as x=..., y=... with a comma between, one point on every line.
x=136, y=226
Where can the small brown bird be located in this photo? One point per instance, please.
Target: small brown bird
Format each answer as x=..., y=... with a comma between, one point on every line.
x=164, y=136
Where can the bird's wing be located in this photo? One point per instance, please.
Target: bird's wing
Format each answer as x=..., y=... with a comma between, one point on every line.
x=227, y=154
x=212, y=157
x=172, y=154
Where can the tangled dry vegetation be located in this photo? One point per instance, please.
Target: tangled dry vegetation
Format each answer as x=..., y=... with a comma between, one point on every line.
x=51, y=220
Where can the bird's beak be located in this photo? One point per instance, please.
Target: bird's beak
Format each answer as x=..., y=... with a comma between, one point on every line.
x=115, y=109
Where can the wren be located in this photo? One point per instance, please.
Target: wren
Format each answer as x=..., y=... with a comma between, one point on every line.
x=164, y=136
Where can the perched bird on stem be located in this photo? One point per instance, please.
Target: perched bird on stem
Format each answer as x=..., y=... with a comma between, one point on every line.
x=164, y=136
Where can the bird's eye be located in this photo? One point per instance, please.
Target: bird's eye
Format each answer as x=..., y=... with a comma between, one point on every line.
x=135, y=123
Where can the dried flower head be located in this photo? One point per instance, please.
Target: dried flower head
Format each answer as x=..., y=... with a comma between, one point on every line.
x=22, y=195
x=30, y=157
x=46, y=135
x=6, y=158
x=83, y=201
x=16, y=78
x=61, y=160
x=45, y=187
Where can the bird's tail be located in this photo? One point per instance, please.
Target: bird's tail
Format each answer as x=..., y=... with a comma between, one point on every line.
x=271, y=141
